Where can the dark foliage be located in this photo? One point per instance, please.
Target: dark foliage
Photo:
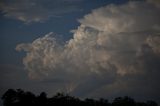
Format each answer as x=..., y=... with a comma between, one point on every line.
x=20, y=98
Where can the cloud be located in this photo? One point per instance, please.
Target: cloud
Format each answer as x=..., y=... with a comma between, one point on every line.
x=30, y=11
x=155, y=2
x=154, y=43
x=114, y=50
x=13, y=76
x=43, y=52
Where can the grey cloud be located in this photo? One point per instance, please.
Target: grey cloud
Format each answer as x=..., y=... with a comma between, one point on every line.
x=37, y=10
x=154, y=43
x=155, y=2
x=123, y=20
x=13, y=76
x=43, y=52
x=114, y=50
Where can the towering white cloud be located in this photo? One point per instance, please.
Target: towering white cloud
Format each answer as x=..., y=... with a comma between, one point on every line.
x=43, y=55
x=109, y=46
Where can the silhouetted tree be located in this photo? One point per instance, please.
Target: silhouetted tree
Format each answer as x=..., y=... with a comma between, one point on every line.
x=103, y=102
x=123, y=101
x=151, y=103
x=10, y=98
x=42, y=99
x=20, y=98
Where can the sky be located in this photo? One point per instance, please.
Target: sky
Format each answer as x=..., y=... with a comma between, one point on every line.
x=87, y=48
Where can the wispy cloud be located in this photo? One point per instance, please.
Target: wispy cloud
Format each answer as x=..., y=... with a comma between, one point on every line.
x=114, y=50
x=37, y=10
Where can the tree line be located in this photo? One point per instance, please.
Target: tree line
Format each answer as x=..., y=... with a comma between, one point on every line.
x=19, y=97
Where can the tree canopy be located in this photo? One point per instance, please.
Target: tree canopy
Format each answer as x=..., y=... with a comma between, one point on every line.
x=19, y=97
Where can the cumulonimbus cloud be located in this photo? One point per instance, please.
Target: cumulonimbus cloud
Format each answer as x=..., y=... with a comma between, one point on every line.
x=110, y=45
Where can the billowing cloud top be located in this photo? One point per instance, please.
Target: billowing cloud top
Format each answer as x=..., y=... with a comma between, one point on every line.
x=114, y=50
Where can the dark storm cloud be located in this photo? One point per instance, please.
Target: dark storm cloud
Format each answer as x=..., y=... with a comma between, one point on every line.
x=155, y=2
x=12, y=76
x=115, y=50
x=37, y=10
